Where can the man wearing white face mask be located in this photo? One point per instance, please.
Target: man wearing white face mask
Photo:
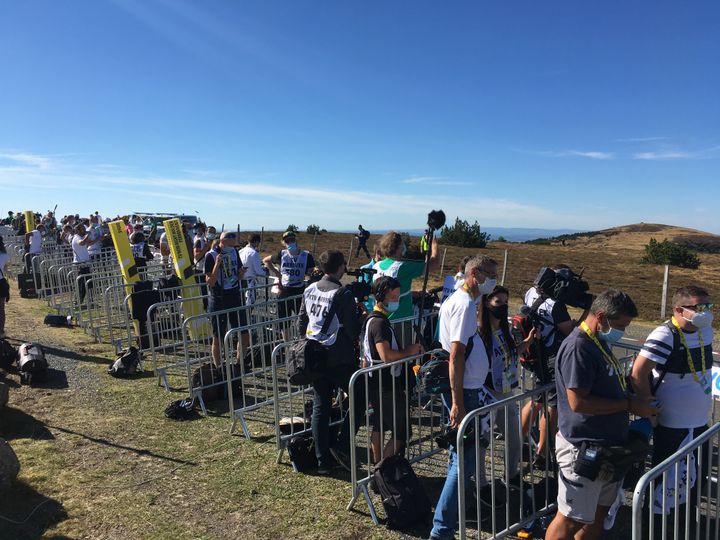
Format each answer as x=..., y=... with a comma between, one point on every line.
x=468, y=369
x=675, y=365
x=594, y=403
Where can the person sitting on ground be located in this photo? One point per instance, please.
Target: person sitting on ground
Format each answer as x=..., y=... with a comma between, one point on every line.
x=393, y=249
x=379, y=346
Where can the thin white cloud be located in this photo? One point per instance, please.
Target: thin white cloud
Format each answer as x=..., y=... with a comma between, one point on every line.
x=590, y=154
x=662, y=155
x=642, y=139
x=22, y=159
x=435, y=181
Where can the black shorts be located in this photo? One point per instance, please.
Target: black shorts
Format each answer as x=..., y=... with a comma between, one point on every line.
x=234, y=319
x=394, y=413
x=289, y=307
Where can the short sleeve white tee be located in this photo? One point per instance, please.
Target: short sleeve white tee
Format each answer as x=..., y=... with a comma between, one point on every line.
x=684, y=401
x=80, y=252
x=458, y=322
x=35, y=242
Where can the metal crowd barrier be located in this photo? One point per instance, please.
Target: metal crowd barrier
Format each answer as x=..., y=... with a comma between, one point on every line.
x=416, y=425
x=670, y=502
x=251, y=385
x=197, y=339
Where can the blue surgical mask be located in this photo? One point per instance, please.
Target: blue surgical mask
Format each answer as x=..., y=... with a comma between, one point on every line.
x=613, y=335
x=292, y=247
x=211, y=236
x=391, y=307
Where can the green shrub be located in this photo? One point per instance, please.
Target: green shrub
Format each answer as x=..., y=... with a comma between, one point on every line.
x=501, y=239
x=292, y=228
x=462, y=234
x=313, y=229
x=667, y=252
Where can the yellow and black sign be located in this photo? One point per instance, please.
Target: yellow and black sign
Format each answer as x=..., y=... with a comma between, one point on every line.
x=124, y=252
x=127, y=261
x=184, y=265
x=30, y=224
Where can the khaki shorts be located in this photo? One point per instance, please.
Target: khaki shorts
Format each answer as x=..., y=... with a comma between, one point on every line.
x=579, y=497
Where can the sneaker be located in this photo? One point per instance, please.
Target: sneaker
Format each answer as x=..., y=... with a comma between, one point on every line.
x=342, y=457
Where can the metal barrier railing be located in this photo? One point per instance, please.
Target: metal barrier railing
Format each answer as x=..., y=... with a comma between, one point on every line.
x=678, y=498
x=415, y=424
x=251, y=388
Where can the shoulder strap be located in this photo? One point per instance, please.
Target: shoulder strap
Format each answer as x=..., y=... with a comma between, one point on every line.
x=331, y=312
x=662, y=368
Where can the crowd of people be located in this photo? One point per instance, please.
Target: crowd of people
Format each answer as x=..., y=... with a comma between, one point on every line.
x=669, y=383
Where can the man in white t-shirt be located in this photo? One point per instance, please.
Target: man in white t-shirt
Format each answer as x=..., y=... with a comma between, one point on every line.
x=675, y=365
x=81, y=243
x=250, y=260
x=96, y=235
x=33, y=247
x=469, y=367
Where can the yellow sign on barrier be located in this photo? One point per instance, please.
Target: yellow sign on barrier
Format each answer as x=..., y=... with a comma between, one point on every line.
x=184, y=265
x=30, y=224
x=127, y=261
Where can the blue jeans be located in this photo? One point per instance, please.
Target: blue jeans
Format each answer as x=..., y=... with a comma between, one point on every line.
x=445, y=520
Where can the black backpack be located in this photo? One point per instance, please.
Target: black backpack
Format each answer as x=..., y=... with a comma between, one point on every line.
x=403, y=497
x=126, y=364
x=301, y=450
x=32, y=365
x=8, y=354
x=56, y=320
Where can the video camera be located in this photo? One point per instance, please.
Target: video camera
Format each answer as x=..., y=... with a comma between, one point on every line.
x=361, y=288
x=564, y=286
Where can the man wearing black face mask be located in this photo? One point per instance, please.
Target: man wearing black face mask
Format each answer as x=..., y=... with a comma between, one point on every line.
x=675, y=366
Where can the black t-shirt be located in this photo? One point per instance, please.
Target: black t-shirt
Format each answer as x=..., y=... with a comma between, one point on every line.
x=377, y=330
x=581, y=365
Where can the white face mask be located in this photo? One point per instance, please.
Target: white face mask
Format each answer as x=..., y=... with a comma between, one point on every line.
x=701, y=319
x=487, y=286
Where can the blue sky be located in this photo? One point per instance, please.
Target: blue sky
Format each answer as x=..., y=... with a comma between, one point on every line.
x=557, y=114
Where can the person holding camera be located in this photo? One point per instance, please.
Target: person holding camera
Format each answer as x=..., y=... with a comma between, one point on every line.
x=502, y=378
x=222, y=276
x=393, y=249
x=468, y=369
x=594, y=403
x=553, y=323
x=328, y=298
x=675, y=366
x=379, y=345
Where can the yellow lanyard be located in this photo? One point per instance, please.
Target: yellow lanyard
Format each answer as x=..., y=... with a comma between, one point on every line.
x=609, y=357
x=505, y=351
x=690, y=362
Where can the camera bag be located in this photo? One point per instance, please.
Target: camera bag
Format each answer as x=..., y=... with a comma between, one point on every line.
x=301, y=450
x=307, y=358
x=32, y=365
x=403, y=496
x=126, y=364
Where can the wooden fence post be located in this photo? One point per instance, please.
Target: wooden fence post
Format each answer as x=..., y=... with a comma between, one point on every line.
x=664, y=293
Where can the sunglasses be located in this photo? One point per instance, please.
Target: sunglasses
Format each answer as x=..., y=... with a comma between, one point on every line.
x=700, y=307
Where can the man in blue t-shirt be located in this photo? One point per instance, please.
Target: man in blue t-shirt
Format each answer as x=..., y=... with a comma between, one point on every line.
x=593, y=406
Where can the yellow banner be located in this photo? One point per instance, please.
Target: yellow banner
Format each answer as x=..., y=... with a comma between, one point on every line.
x=124, y=252
x=184, y=265
x=30, y=221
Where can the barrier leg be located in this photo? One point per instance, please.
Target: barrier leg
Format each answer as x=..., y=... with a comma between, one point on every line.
x=371, y=506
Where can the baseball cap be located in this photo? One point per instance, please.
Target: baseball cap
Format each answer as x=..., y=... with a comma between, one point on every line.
x=288, y=234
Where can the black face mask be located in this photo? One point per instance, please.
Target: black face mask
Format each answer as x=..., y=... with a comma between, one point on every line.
x=499, y=312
